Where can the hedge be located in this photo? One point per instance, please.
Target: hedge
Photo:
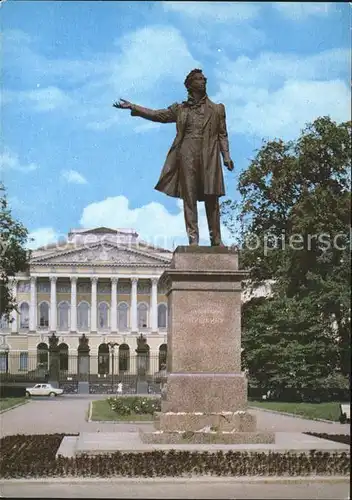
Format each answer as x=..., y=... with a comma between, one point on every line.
x=33, y=456
x=338, y=438
x=12, y=391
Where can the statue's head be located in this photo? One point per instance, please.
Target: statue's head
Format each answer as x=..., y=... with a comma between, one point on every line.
x=196, y=81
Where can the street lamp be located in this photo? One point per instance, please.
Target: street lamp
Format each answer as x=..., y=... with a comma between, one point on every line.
x=112, y=346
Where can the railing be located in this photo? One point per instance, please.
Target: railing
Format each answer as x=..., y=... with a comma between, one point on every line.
x=101, y=369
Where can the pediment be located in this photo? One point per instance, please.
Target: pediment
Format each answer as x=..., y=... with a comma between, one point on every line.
x=102, y=255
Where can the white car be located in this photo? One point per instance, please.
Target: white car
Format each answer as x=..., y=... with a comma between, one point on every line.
x=43, y=390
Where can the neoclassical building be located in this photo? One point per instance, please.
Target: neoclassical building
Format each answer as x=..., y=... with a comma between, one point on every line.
x=100, y=282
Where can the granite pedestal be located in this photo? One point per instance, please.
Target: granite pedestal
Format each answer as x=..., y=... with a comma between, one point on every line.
x=206, y=390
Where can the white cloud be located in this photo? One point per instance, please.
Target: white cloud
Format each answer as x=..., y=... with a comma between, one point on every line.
x=40, y=99
x=42, y=236
x=222, y=12
x=48, y=99
x=146, y=126
x=73, y=177
x=276, y=94
x=145, y=59
x=102, y=125
x=148, y=55
x=142, y=60
x=298, y=11
x=17, y=203
x=11, y=161
x=201, y=20
x=152, y=221
x=17, y=36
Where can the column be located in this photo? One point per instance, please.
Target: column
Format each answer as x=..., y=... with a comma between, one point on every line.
x=93, y=305
x=154, y=304
x=14, y=325
x=113, y=305
x=134, y=325
x=73, y=303
x=53, y=306
x=33, y=305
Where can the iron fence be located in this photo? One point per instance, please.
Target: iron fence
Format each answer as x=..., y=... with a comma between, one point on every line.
x=106, y=374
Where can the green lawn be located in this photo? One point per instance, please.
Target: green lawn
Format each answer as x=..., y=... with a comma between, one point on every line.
x=326, y=411
x=7, y=403
x=101, y=411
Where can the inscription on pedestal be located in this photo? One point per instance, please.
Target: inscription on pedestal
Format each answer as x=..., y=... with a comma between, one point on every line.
x=204, y=320
x=206, y=316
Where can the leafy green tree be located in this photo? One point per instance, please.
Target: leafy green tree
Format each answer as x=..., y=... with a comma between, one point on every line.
x=14, y=257
x=295, y=229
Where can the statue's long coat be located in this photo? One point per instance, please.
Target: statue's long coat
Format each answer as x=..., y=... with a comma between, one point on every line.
x=215, y=141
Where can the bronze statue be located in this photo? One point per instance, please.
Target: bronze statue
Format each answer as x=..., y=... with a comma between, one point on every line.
x=83, y=344
x=192, y=170
x=142, y=345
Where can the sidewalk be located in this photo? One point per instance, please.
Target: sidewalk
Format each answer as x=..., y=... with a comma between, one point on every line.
x=69, y=415
x=180, y=488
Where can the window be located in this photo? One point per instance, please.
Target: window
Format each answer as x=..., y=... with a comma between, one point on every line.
x=122, y=316
x=162, y=314
x=83, y=316
x=63, y=316
x=24, y=315
x=162, y=357
x=4, y=322
x=124, y=358
x=63, y=357
x=44, y=314
x=23, y=361
x=103, y=315
x=4, y=358
x=42, y=355
x=142, y=312
x=103, y=359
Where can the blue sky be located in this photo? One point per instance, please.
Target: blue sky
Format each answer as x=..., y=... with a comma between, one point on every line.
x=71, y=160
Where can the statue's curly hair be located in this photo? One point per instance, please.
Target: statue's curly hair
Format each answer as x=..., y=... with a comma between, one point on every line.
x=190, y=75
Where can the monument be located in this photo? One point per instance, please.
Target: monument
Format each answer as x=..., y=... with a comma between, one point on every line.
x=54, y=360
x=192, y=170
x=83, y=365
x=142, y=352
x=206, y=393
x=206, y=397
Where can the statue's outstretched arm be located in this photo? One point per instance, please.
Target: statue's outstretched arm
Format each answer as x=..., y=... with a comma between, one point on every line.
x=168, y=115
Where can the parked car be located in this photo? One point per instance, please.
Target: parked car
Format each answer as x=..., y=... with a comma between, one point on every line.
x=43, y=390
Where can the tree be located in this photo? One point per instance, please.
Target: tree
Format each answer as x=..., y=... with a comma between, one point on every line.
x=295, y=230
x=14, y=257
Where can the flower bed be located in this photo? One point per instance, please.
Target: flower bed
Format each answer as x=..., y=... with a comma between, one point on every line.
x=129, y=405
x=338, y=438
x=25, y=456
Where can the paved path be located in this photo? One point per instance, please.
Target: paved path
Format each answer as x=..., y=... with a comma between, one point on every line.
x=283, y=423
x=62, y=414
x=202, y=488
x=68, y=414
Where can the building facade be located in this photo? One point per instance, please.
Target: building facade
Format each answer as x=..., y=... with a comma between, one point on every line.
x=103, y=283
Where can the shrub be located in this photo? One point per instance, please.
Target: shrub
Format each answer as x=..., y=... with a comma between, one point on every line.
x=338, y=438
x=34, y=456
x=12, y=391
x=134, y=405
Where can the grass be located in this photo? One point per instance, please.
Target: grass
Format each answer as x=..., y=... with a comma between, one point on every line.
x=8, y=403
x=101, y=411
x=312, y=411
